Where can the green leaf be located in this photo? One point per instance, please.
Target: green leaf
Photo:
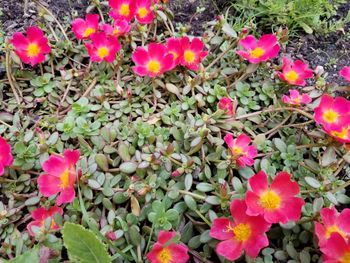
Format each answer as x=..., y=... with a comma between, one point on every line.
x=29, y=256
x=83, y=245
x=128, y=167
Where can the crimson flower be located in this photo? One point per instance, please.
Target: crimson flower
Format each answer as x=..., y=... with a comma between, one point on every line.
x=60, y=176
x=165, y=251
x=278, y=202
x=244, y=233
x=33, y=48
x=256, y=51
x=40, y=215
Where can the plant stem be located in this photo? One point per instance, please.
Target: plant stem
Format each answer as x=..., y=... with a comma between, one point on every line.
x=234, y=43
x=203, y=217
x=245, y=116
x=201, y=197
x=9, y=77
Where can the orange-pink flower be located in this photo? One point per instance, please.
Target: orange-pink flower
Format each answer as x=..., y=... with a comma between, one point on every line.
x=83, y=29
x=40, y=215
x=295, y=73
x=103, y=47
x=244, y=233
x=152, y=62
x=143, y=11
x=192, y=53
x=6, y=158
x=333, y=114
x=257, y=51
x=122, y=9
x=33, y=48
x=278, y=202
x=295, y=98
x=240, y=150
x=345, y=73
x=332, y=222
x=119, y=28
x=226, y=104
x=167, y=251
x=60, y=176
x=336, y=249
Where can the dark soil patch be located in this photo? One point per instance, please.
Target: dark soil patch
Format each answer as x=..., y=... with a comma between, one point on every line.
x=185, y=12
x=16, y=16
x=332, y=51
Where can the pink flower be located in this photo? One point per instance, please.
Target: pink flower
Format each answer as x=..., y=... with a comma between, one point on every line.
x=111, y=236
x=83, y=29
x=296, y=98
x=336, y=249
x=122, y=9
x=240, y=150
x=345, y=73
x=278, y=202
x=295, y=73
x=226, y=104
x=103, y=48
x=120, y=28
x=332, y=222
x=244, y=233
x=164, y=251
x=40, y=215
x=144, y=14
x=152, y=62
x=258, y=51
x=33, y=48
x=174, y=48
x=192, y=53
x=333, y=114
x=341, y=134
x=60, y=176
x=6, y=158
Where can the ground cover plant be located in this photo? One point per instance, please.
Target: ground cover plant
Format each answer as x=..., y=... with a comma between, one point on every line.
x=126, y=139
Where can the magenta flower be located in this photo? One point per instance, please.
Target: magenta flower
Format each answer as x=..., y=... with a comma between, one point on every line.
x=83, y=29
x=103, y=47
x=226, y=104
x=119, y=28
x=278, y=202
x=192, y=53
x=345, y=73
x=60, y=176
x=40, y=215
x=295, y=98
x=265, y=48
x=33, y=48
x=295, y=73
x=6, y=158
x=244, y=233
x=332, y=222
x=240, y=150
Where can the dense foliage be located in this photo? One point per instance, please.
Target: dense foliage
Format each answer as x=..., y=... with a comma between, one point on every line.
x=123, y=139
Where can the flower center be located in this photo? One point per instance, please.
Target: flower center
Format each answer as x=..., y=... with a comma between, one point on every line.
x=165, y=256
x=124, y=10
x=257, y=52
x=242, y=232
x=88, y=32
x=64, y=179
x=270, y=200
x=292, y=75
x=189, y=56
x=103, y=52
x=33, y=50
x=175, y=55
x=153, y=66
x=345, y=258
x=330, y=116
x=142, y=12
x=116, y=31
x=237, y=150
x=334, y=229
